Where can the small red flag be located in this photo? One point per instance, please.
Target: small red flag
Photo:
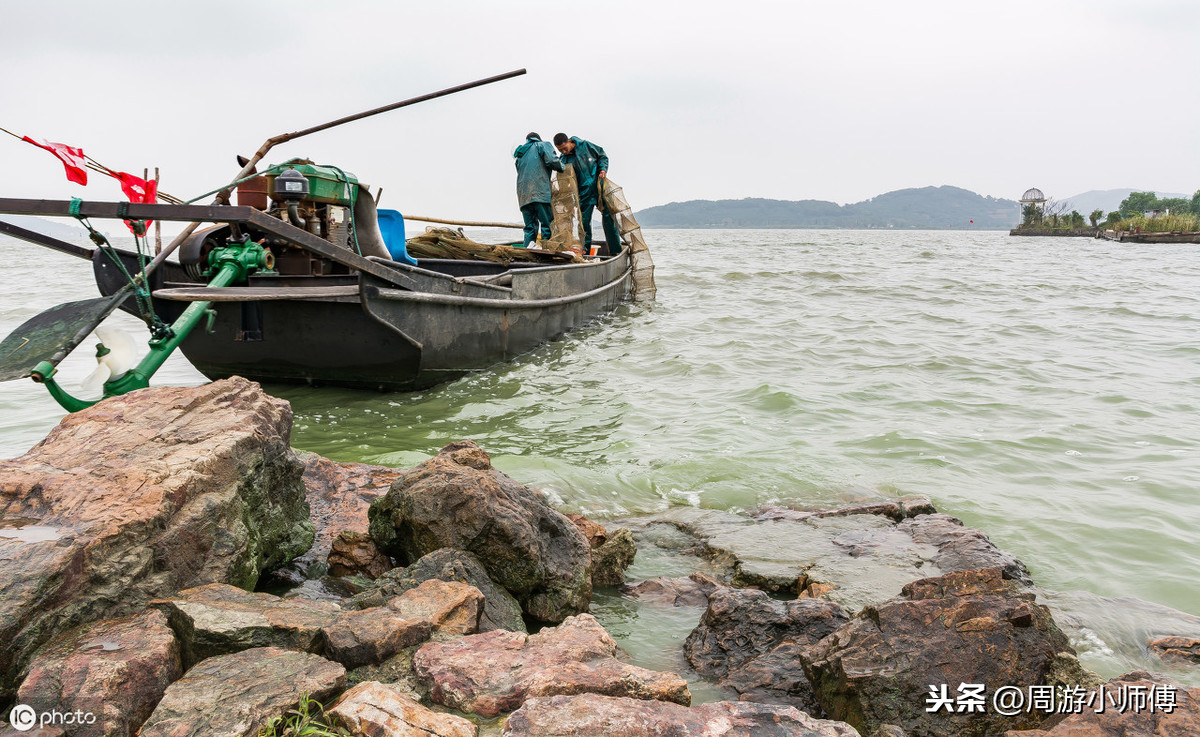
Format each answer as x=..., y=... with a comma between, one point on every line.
x=137, y=190
x=71, y=157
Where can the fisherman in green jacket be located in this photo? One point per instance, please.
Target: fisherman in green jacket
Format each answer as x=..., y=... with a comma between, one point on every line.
x=534, y=159
x=591, y=168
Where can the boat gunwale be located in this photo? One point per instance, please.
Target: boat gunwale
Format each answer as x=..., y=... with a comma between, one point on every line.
x=370, y=292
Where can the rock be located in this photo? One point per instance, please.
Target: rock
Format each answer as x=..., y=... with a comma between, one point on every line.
x=752, y=643
x=1181, y=649
x=495, y=672
x=611, y=553
x=1166, y=708
x=775, y=677
x=593, y=532
x=968, y=627
x=612, y=557
x=451, y=607
x=237, y=694
x=591, y=714
x=355, y=554
x=217, y=619
x=962, y=548
x=500, y=610
x=116, y=670
x=339, y=495
x=855, y=556
x=397, y=672
x=889, y=509
x=374, y=709
x=742, y=624
x=693, y=590
x=457, y=500
x=140, y=496
x=371, y=636
x=915, y=504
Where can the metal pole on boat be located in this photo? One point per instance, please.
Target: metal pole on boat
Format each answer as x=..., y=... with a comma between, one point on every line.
x=247, y=169
x=284, y=137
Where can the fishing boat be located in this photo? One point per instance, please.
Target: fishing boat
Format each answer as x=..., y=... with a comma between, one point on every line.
x=305, y=280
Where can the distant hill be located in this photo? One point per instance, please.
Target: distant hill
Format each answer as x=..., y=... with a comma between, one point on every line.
x=55, y=228
x=1108, y=200
x=931, y=208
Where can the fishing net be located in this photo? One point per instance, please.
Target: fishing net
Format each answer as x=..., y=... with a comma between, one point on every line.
x=566, y=230
x=643, y=267
x=451, y=243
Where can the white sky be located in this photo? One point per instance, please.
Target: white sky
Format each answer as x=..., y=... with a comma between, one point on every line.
x=692, y=100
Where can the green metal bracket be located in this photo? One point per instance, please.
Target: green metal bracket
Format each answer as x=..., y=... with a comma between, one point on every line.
x=229, y=265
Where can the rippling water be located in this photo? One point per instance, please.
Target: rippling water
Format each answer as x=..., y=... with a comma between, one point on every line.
x=1043, y=390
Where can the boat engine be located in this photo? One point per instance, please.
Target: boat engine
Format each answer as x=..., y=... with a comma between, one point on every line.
x=318, y=199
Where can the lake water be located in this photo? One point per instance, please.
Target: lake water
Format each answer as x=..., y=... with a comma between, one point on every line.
x=1044, y=390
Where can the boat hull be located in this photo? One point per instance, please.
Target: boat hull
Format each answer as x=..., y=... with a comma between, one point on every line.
x=385, y=337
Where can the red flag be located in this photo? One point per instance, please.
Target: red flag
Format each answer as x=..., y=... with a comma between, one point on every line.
x=71, y=157
x=137, y=190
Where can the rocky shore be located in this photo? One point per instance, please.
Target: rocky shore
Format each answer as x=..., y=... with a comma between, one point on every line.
x=170, y=566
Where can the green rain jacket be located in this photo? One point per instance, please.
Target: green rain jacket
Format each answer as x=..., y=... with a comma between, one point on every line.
x=534, y=160
x=589, y=160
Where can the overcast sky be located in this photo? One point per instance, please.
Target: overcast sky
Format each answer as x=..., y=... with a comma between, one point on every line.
x=793, y=100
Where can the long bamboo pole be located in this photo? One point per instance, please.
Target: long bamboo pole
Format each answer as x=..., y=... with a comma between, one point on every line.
x=473, y=223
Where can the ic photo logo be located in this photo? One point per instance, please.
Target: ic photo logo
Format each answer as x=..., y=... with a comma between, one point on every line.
x=22, y=718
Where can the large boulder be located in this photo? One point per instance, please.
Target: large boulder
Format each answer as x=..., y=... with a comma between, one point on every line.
x=138, y=497
x=116, y=670
x=217, y=619
x=495, y=672
x=457, y=500
x=500, y=610
x=238, y=694
x=593, y=714
x=970, y=627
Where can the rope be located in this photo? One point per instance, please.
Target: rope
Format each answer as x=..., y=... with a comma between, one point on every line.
x=158, y=328
x=269, y=170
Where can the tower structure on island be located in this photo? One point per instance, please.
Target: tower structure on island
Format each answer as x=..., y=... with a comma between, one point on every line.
x=1033, y=206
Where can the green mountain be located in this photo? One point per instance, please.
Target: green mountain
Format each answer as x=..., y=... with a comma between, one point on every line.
x=933, y=208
